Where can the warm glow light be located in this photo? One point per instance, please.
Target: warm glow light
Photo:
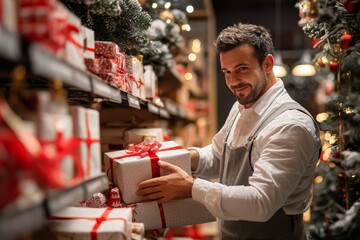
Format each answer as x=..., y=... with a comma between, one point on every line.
x=304, y=70
x=279, y=71
x=154, y=5
x=192, y=57
x=322, y=117
x=196, y=49
x=190, y=9
x=167, y=5
x=307, y=215
x=168, y=21
x=318, y=179
x=186, y=27
x=188, y=76
x=305, y=67
x=196, y=43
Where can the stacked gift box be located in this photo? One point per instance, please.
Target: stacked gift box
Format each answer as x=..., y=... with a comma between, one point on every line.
x=109, y=64
x=52, y=25
x=127, y=168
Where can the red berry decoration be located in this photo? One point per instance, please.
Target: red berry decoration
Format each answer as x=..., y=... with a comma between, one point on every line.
x=333, y=65
x=351, y=6
x=346, y=41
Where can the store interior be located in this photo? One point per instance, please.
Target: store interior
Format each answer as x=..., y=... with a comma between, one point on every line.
x=111, y=73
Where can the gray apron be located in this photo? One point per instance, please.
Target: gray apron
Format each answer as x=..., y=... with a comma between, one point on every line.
x=235, y=169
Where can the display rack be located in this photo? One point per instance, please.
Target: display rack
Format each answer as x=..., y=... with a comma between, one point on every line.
x=15, y=221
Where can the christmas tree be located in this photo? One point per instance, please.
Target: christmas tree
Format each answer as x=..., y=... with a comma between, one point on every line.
x=335, y=27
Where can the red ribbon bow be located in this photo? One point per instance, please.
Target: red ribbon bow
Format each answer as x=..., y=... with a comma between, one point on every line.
x=143, y=149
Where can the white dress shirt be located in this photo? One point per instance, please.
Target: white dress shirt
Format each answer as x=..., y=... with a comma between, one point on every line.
x=284, y=156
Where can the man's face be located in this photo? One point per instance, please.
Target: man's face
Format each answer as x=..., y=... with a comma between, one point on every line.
x=243, y=75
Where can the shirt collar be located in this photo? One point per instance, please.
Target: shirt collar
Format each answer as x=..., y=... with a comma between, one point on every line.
x=261, y=104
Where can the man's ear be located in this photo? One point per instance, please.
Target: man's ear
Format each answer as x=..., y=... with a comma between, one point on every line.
x=269, y=63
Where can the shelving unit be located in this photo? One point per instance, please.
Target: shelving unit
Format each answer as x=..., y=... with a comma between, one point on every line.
x=41, y=65
x=15, y=222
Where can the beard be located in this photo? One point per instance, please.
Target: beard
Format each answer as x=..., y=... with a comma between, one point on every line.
x=255, y=93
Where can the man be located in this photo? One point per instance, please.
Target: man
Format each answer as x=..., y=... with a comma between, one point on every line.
x=264, y=155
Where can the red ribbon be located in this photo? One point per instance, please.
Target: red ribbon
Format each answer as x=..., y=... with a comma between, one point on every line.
x=99, y=221
x=137, y=83
x=143, y=150
x=88, y=141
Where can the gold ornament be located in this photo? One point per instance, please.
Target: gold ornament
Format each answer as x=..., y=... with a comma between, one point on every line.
x=313, y=10
x=142, y=2
x=337, y=50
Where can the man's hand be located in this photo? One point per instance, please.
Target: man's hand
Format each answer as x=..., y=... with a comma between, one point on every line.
x=176, y=185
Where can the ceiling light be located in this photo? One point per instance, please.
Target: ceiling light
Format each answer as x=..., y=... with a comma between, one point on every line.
x=305, y=67
x=280, y=69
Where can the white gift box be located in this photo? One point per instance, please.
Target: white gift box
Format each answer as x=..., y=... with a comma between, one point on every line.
x=127, y=170
x=171, y=214
x=92, y=223
x=137, y=135
x=88, y=42
x=137, y=79
x=87, y=130
x=150, y=83
x=55, y=132
x=74, y=44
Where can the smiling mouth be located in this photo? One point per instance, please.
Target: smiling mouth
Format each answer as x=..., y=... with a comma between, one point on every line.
x=240, y=89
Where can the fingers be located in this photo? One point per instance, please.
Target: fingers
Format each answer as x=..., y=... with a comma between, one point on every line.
x=168, y=166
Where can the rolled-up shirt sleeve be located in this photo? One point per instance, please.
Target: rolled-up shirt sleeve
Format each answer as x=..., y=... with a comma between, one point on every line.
x=280, y=178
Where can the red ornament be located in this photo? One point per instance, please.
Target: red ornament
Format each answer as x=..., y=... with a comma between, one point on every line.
x=346, y=41
x=333, y=65
x=351, y=6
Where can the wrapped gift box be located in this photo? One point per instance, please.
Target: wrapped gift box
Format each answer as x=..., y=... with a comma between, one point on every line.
x=44, y=21
x=137, y=78
x=108, y=50
x=128, y=169
x=150, y=83
x=92, y=65
x=55, y=133
x=137, y=135
x=171, y=214
x=88, y=42
x=107, y=65
x=74, y=43
x=92, y=223
x=87, y=130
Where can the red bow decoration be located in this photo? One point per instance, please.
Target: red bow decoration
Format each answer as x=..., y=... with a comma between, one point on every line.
x=143, y=149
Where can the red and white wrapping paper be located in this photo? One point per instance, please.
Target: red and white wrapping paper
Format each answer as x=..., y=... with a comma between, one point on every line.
x=92, y=223
x=137, y=78
x=107, y=65
x=88, y=42
x=171, y=214
x=44, y=21
x=87, y=131
x=128, y=169
x=8, y=15
x=107, y=50
x=55, y=133
x=92, y=65
x=137, y=135
x=74, y=43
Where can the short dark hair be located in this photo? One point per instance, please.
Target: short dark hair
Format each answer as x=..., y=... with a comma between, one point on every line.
x=239, y=34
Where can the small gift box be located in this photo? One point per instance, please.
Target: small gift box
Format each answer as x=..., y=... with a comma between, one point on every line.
x=127, y=168
x=107, y=65
x=171, y=214
x=150, y=83
x=137, y=135
x=92, y=223
x=87, y=131
x=88, y=42
x=107, y=50
x=92, y=65
x=74, y=42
